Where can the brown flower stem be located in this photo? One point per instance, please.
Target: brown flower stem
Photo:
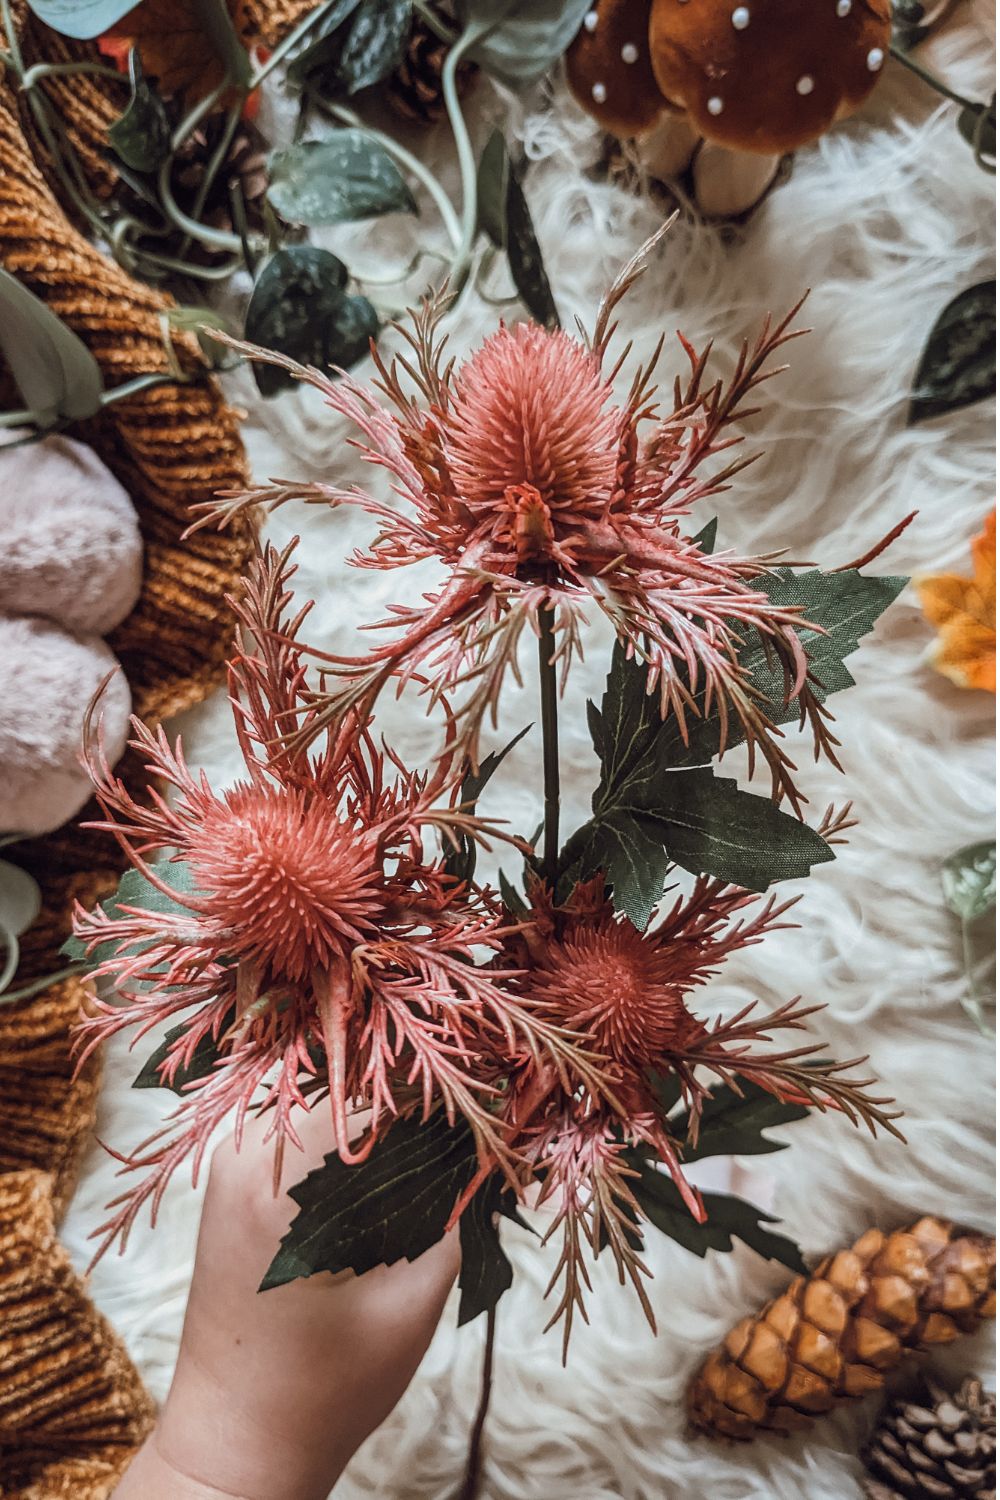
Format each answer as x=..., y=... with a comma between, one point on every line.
x=550, y=743
x=474, y=1465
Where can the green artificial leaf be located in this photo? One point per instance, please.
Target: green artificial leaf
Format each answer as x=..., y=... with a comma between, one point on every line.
x=141, y=135
x=958, y=365
x=356, y=45
x=345, y=177
x=512, y=898
x=393, y=1205
x=631, y=852
x=978, y=125
x=134, y=890
x=707, y=536
x=519, y=40
x=300, y=307
x=55, y=372
x=505, y=218
x=202, y=1061
x=732, y=1124
x=728, y=1218
x=486, y=1272
x=969, y=878
x=81, y=19
x=461, y=862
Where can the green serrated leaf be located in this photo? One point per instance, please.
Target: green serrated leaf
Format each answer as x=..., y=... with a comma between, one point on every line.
x=202, y=1060
x=709, y=826
x=299, y=306
x=707, y=536
x=728, y=1218
x=969, y=878
x=53, y=369
x=392, y=1206
x=521, y=39
x=134, y=890
x=345, y=177
x=733, y=1124
x=461, y=862
x=958, y=365
x=630, y=850
x=486, y=1272
x=141, y=135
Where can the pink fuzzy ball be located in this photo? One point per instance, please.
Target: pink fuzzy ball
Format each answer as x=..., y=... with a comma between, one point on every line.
x=71, y=545
x=47, y=679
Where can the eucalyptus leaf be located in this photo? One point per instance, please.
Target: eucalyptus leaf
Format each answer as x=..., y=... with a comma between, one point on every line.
x=345, y=177
x=958, y=365
x=300, y=307
x=141, y=135
x=53, y=369
x=390, y=1207
x=969, y=878
x=728, y=1218
x=81, y=19
x=504, y=216
x=519, y=40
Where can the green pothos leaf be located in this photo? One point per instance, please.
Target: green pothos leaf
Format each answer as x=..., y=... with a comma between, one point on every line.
x=958, y=365
x=345, y=177
x=392, y=1206
x=969, y=878
x=359, y=43
x=53, y=369
x=505, y=218
x=141, y=135
x=81, y=19
x=300, y=306
x=728, y=1218
x=519, y=40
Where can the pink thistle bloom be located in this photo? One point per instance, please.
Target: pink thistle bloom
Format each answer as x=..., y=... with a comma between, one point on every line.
x=584, y=967
x=313, y=942
x=537, y=492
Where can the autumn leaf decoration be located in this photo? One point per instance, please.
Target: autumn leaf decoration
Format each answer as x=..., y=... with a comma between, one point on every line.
x=964, y=610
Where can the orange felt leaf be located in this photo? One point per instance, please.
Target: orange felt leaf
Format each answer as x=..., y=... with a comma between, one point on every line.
x=173, y=46
x=965, y=613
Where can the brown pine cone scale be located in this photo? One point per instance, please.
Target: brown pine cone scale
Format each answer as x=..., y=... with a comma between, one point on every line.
x=939, y=1446
x=832, y=1336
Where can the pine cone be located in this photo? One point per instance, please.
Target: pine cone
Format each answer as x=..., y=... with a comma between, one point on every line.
x=245, y=163
x=414, y=90
x=940, y=1447
x=833, y=1335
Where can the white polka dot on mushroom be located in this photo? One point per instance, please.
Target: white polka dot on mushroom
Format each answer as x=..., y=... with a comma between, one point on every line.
x=741, y=18
x=714, y=105
x=630, y=53
x=599, y=93
x=590, y=20
x=876, y=58
x=805, y=85
x=843, y=8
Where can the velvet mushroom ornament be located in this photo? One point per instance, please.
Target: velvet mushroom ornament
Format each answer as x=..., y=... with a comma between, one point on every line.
x=740, y=86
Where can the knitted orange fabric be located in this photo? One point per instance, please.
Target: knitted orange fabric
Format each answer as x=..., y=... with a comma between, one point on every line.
x=72, y=1408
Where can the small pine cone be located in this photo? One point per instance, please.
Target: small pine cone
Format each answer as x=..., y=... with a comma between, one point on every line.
x=245, y=163
x=940, y=1446
x=833, y=1335
x=414, y=91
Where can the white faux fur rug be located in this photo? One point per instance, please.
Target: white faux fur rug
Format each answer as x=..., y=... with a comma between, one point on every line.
x=886, y=219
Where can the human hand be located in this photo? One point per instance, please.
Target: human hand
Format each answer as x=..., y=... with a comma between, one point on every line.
x=274, y=1391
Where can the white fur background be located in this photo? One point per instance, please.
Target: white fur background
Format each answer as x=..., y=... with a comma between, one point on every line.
x=885, y=219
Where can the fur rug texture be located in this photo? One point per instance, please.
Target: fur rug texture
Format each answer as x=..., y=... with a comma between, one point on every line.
x=885, y=219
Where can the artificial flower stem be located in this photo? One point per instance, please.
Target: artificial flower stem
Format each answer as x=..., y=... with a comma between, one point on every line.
x=550, y=743
x=474, y=1465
